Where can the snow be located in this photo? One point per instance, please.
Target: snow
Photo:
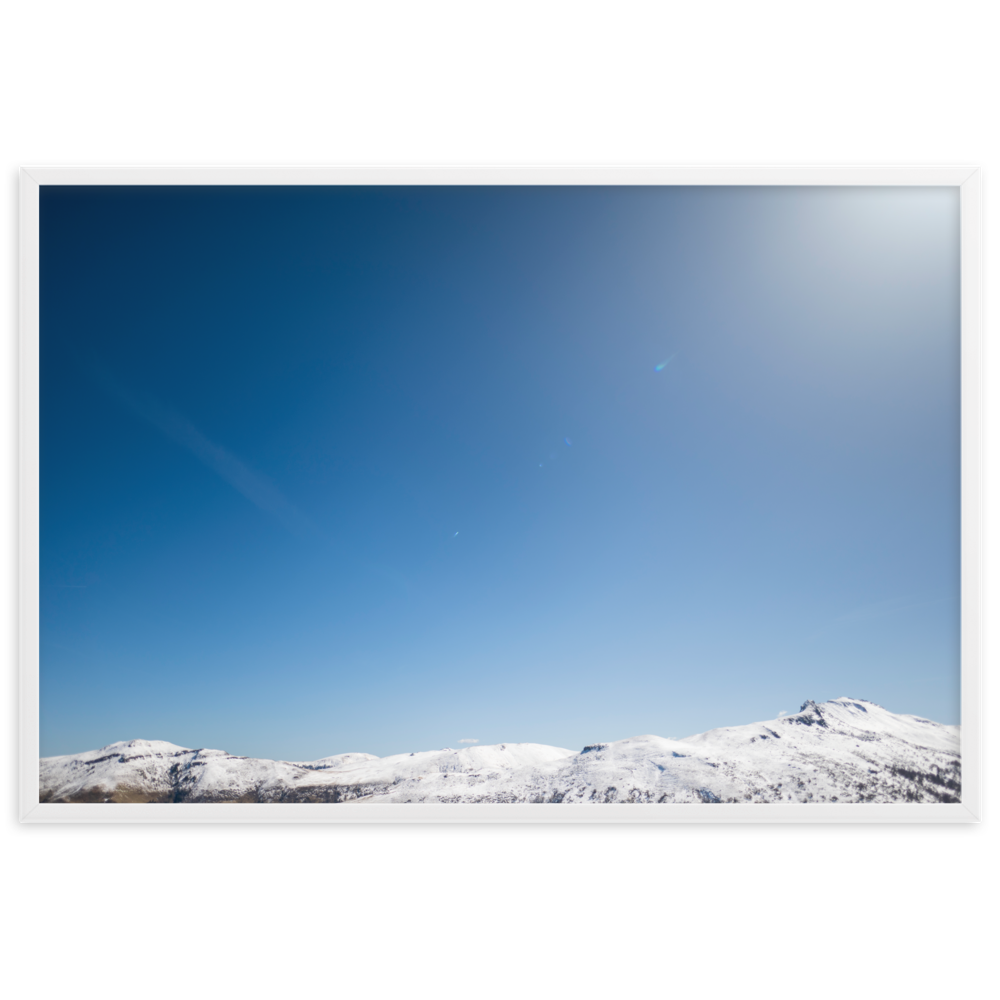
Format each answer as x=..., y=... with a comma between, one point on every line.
x=845, y=750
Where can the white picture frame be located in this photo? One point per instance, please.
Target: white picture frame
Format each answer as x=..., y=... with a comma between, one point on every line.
x=968, y=180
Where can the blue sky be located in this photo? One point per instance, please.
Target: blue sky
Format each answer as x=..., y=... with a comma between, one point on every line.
x=332, y=469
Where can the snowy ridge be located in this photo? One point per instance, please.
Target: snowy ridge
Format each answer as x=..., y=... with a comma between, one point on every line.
x=845, y=750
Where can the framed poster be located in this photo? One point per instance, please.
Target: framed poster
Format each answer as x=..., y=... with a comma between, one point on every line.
x=500, y=495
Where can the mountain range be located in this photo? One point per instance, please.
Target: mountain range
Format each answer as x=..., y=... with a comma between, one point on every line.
x=844, y=750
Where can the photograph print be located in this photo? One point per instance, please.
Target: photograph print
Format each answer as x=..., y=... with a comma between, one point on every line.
x=498, y=494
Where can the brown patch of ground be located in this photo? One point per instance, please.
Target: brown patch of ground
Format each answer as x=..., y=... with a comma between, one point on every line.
x=120, y=794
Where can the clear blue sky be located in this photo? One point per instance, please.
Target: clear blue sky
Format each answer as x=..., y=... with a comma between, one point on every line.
x=333, y=469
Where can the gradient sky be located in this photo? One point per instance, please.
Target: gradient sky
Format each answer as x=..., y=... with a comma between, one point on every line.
x=382, y=469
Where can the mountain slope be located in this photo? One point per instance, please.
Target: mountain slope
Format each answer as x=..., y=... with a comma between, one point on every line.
x=845, y=750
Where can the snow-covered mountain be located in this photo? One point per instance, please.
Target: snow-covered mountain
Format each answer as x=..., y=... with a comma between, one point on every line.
x=845, y=750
